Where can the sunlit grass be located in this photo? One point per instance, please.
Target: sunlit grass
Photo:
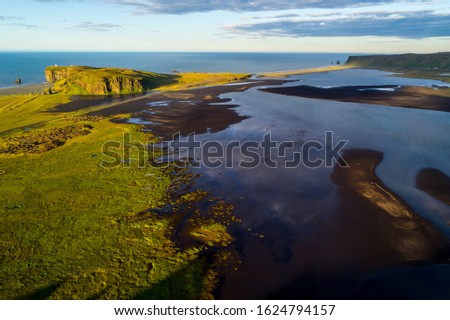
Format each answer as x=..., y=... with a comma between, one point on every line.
x=24, y=110
x=284, y=74
x=188, y=80
x=70, y=228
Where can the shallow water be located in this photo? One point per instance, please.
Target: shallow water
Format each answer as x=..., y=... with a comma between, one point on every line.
x=299, y=236
x=293, y=208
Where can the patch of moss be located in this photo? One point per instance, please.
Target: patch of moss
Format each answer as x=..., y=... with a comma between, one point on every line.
x=214, y=234
x=42, y=140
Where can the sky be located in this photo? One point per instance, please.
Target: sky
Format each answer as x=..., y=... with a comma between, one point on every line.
x=367, y=26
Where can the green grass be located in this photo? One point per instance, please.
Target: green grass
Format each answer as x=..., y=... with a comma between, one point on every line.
x=71, y=229
x=26, y=110
x=187, y=80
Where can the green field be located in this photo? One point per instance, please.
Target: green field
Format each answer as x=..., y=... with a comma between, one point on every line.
x=73, y=229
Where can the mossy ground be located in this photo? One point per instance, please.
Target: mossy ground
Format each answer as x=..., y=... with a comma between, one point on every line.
x=72, y=229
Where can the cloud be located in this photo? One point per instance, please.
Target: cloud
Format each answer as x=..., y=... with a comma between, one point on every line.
x=287, y=15
x=190, y=6
x=9, y=18
x=14, y=21
x=413, y=25
x=93, y=26
x=24, y=25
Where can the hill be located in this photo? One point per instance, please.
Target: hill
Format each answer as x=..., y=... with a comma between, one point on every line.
x=410, y=61
x=101, y=81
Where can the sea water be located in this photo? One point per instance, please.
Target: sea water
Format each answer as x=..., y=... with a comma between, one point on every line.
x=30, y=66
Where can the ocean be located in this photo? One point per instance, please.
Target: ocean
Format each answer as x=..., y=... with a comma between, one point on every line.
x=30, y=66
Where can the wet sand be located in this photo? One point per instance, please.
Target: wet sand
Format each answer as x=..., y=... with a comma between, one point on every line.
x=410, y=237
x=126, y=104
x=198, y=110
x=434, y=182
x=374, y=247
x=407, y=97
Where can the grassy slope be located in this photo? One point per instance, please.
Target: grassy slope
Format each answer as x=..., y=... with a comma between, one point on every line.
x=427, y=66
x=439, y=61
x=68, y=227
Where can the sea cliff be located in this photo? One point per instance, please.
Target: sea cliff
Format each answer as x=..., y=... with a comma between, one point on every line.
x=102, y=81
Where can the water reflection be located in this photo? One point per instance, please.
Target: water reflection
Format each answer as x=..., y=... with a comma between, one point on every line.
x=304, y=236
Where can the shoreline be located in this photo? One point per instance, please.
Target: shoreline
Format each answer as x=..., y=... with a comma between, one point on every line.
x=434, y=182
x=362, y=192
x=373, y=228
x=25, y=89
x=411, y=97
x=286, y=73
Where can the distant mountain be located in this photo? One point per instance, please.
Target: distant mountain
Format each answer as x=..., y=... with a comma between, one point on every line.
x=431, y=61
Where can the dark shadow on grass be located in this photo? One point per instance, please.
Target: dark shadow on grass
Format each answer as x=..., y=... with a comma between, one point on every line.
x=42, y=293
x=185, y=284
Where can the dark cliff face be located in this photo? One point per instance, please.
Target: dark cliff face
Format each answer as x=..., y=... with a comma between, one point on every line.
x=102, y=81
x=434, y=61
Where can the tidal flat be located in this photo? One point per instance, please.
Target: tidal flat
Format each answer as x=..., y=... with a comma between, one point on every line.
x=72, y=229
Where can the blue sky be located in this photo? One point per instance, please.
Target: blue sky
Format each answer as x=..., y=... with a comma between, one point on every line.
x=235, y=25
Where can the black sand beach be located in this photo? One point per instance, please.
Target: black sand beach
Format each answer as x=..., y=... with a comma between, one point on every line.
x=407, y=97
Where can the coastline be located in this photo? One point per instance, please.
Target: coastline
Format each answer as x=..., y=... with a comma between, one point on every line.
x=410, y=237
x=286, y=73
x=25, y=89
x=411, y=97
x=374, y=228
x=434, y=182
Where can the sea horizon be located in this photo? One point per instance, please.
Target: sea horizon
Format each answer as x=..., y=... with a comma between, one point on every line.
x=29, y=66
